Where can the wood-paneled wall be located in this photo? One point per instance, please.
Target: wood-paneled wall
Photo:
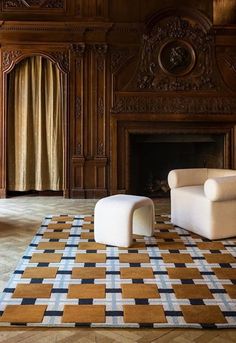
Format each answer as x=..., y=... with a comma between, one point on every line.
x=118, y=83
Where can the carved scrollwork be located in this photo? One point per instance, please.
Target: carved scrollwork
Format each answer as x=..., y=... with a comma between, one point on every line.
x=78, y=107
x=34, y=2
x=100, y=107
x=230, y=60
x=37, y=4
x=183, y=105
x=100, y=149
x=226, y=61
x=54, y=4
x=119, y=56
x=9, y=57
x=172, y=49
x=13, y=4
x=62, y=59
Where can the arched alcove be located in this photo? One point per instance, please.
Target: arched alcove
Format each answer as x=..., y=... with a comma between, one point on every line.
x=35, y=130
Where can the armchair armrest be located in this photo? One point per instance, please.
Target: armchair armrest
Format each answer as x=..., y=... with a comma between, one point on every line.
x=187, y=177
x=220, y=188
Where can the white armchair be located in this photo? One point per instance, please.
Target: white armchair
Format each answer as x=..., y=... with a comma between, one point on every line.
x=204, y=201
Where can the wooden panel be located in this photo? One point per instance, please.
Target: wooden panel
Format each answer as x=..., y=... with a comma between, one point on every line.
x=224, y=12
x=139, y=10
x=226, y=59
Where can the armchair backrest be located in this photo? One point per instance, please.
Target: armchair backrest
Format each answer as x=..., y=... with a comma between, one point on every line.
x=212, y=173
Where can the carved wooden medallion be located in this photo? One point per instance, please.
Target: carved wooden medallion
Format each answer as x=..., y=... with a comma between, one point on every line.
x=176, y=57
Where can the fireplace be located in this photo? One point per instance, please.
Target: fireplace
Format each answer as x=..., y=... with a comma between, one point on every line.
x=152, y=156
x=146, y=149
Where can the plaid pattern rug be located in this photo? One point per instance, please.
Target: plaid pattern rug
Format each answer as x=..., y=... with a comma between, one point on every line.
x=173, y=279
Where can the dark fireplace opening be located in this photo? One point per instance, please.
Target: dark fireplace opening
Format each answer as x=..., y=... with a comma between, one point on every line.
x=152, y=156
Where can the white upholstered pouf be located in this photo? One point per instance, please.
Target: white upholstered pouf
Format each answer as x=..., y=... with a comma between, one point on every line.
x=117, y=217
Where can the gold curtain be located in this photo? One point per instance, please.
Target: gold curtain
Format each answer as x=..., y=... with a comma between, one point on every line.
x=35, y=126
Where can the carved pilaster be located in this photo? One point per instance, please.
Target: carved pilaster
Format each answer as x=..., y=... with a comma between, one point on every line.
x=78, y=50
x=100, y=51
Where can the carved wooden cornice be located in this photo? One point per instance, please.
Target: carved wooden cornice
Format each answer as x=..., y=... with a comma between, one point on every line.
x=174, y=104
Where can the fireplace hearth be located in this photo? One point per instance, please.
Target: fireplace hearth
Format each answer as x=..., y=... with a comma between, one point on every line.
x=152, y=156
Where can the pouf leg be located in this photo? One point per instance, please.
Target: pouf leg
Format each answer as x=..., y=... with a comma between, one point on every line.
x=143, y=220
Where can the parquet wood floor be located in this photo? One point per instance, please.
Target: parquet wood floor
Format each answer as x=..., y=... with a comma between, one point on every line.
x=20, y=218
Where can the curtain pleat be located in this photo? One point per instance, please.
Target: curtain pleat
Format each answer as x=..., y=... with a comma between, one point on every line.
x=35, y=130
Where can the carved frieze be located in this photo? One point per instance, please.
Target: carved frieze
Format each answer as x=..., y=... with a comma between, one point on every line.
x=174, y=104
x=54, y=4
x=176, y=55
x=13, y=4
x=33, y=4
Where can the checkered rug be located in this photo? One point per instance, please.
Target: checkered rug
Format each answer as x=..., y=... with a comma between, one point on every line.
x=173, y=279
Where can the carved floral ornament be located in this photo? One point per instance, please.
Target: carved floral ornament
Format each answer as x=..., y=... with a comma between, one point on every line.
x=171, y=50
x=32, y=4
